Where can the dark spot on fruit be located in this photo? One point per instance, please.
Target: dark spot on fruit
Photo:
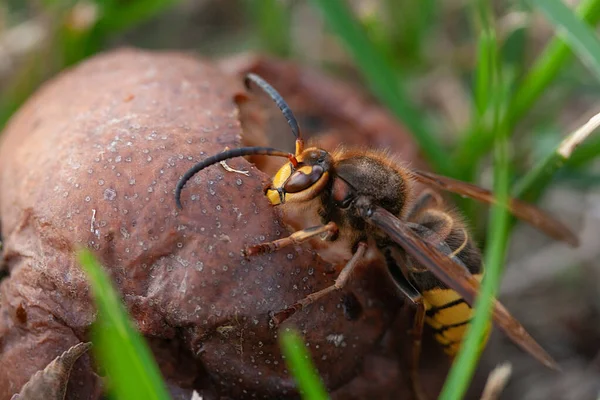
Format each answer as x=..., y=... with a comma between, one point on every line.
x=352, y=307
x=21, y=314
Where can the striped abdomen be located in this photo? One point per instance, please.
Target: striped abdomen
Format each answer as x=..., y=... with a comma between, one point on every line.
x=447, y=313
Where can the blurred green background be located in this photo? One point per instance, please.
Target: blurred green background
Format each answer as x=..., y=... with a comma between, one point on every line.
x=485, y=87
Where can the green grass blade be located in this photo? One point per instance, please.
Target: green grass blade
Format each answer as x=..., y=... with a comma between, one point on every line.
x=406, y=29
x=487, y=53
x=548, y=65
x=119, y=16
x=272, y=22
x=20, y=87
x=543, y=72
x=487, y=61
x=382, y=80
x=579, y=35
x=486, y=105
x=464, y=365
x=585, y=153
x=532, y=185
x=485, y=49
x=119, y=348
x=301, y=367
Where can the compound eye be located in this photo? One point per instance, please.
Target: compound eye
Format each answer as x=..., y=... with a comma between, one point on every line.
x=304, y=178
x=342, y=193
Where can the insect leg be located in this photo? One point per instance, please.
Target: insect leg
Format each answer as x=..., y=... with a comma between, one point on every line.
x=407, y=289
x=297, y=237
x=340, y=282
x=417, y=334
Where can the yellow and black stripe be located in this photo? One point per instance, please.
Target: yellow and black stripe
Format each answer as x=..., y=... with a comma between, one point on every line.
x=447, y=312
x=449, y=315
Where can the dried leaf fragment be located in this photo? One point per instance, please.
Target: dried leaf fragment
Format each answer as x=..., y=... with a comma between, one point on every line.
x=51, y=382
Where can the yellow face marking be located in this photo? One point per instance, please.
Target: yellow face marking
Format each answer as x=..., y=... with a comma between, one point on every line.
x=273, y=197
x=278, y=180
x=282, y=175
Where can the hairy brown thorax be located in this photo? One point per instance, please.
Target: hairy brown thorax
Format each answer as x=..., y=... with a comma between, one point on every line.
x=356, y=206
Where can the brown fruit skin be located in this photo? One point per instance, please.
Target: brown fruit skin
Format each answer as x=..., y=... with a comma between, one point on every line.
x=92, y=160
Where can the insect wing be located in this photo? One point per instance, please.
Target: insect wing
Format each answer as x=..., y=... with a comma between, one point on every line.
x=522, y=210
x=455, y=277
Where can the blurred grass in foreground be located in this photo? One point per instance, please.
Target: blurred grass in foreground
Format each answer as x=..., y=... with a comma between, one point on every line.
x=118, y=347
x=492, y=100
x=297, y=358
